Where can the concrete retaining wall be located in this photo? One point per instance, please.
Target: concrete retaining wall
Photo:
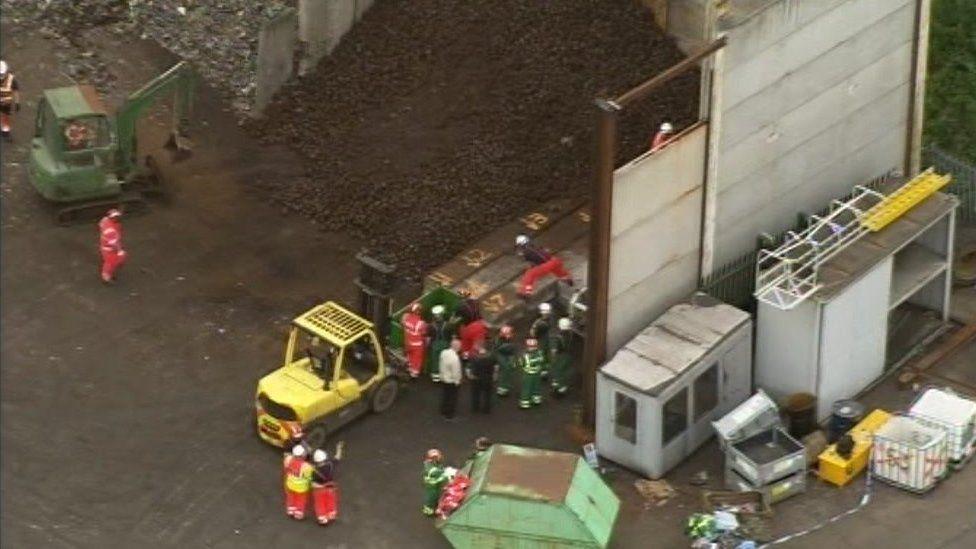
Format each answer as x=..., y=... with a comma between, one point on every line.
x=809, y=99
x=276, y=54
x=323, y=23
x=656, y=234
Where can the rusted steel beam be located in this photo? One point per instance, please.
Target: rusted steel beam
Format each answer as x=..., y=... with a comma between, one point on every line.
x=955, y=342
x=598, y=270
x=641, y=90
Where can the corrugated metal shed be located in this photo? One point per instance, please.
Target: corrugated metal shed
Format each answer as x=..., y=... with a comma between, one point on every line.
x=674, y=342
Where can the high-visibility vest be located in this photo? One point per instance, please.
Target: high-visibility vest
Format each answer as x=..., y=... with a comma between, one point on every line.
x=532, y=362
x=110, y=235
x=298, y=474
x=414, y=330
x=433, y=475
x=7, y=89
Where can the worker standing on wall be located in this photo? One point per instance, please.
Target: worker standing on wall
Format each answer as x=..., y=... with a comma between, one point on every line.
x=110, y=244
x=434, y=479
x=531, y=364
x=9, y=98
x=325, y=493
x=450, y=367
x=562, y=358
x=298, y=479
x=542, y=263
x=482, y=370
x=541, y=331
x=504, y=350
x=414, y=339
x=662, y=137
x=439, y=334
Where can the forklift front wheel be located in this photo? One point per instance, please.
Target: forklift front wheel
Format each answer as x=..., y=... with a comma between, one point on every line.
x=384, y=395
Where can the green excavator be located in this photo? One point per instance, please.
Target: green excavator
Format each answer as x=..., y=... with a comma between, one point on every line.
x=86, y=160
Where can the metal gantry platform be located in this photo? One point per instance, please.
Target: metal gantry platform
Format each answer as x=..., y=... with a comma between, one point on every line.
x=789, y=274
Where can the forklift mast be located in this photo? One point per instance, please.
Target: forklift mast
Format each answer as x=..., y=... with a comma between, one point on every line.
x=178, y=80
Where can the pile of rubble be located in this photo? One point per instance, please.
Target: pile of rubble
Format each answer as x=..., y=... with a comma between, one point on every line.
x=219, y=37
x=436, y=121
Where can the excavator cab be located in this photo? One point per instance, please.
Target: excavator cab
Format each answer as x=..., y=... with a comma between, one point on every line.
x=73, y=150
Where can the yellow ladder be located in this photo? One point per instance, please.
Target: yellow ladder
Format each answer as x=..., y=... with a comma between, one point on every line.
x=905, y=198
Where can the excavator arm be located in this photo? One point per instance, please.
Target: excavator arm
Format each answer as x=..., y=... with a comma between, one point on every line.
x=178, y=81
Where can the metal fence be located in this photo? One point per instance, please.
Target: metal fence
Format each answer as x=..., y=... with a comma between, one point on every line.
x=963, y=181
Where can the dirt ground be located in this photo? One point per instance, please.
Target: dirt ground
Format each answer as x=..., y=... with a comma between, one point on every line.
x=436, y=121
x=127, y=410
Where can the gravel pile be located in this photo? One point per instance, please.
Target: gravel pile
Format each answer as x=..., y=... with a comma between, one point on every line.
x=436, y=121
x=220, y=37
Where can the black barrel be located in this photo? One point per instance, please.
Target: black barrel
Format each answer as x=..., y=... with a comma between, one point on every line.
x=844, y=415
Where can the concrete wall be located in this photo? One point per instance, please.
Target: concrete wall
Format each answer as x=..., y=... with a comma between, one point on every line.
x=656, y=232
x=276, y=53
x=809, y=98
x=323, y=23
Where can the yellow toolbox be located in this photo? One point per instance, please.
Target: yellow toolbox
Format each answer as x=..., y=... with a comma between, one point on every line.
x=835, y=469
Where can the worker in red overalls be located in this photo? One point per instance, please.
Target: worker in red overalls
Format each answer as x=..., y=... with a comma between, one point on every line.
x=662, y=136
x=325, y=493
x=542, y=263
x=298, y=479
x=110, y=244
x=9, y=98
x=414, y=339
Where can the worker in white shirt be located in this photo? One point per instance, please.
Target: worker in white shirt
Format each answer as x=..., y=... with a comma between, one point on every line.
x=449, y=364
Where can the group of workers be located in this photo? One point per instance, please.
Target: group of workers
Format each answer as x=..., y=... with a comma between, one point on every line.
x=317, y=477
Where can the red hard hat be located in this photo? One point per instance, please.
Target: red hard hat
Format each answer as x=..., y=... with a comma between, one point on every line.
x=531, y=343
x=507, y=331
x=114, y=213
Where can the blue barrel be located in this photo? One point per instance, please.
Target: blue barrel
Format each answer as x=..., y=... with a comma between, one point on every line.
x=844, y=415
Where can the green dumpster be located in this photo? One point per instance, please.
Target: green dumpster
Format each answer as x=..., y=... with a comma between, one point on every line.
x=524, y=498
x=438, y=296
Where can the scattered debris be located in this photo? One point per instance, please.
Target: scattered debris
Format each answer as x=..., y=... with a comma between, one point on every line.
x=656, y=492
x=699, y=479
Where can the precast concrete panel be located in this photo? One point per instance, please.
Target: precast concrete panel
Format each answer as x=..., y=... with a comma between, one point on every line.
x=809, y=97
x=656, y=234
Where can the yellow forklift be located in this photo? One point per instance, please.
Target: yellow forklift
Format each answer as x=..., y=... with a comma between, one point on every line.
x=335, y=370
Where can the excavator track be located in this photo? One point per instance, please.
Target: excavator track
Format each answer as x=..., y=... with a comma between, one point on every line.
x=132, y=202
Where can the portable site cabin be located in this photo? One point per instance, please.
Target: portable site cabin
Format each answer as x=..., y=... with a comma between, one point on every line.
x=658, y=395
x=886, y=288
x=529, y=498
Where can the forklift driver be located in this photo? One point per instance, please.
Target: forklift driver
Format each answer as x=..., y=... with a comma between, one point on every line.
x=322, y=357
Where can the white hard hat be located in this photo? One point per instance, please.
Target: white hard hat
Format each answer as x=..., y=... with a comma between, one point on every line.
x=298, y=450
x=3, y=67
x=565, y=324
x=319, y=456
x=667, y=127
x=545, y=308
x=438, y=310
x=521, y=240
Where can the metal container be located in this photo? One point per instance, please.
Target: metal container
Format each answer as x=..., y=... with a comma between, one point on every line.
x=844, y=415
x=772, y=493
x=757, y=414
x=908, y=454
x=951, y=413
x=766, y=457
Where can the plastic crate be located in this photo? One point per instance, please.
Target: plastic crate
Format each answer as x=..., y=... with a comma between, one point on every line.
x=908, y=454
x=953, y=414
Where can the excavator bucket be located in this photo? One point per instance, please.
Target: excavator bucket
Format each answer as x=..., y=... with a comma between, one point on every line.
x=179, y=146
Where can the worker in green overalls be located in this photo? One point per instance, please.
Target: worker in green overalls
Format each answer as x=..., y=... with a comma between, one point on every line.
x=440, y=332
x=531, y=363
x=435, y=477
x=504, y=350
x=540, y=331
x=562, y=358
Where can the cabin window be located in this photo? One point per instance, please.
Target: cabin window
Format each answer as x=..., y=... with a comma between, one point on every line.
x=625, y=417
x=675, y=417
x=706, y=392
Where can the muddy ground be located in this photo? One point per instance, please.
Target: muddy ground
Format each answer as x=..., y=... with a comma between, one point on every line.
x=436, y=121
